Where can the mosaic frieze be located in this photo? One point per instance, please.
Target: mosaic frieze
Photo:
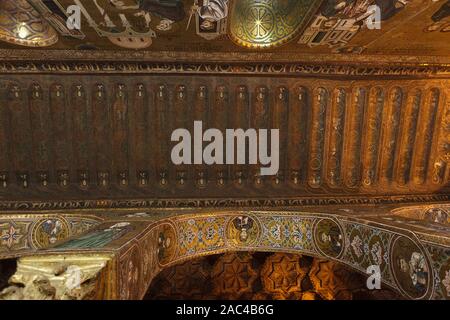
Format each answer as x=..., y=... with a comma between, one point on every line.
x=26, y=232
x=201, y=235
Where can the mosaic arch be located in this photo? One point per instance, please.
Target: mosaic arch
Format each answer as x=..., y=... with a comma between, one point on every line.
x=406, y=264
x=142, y=245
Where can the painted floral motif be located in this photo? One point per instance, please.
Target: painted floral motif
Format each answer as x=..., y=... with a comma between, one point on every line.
x=10, y=236
x=281, y=232
x=197, y=235
x=357, y=246
x=376, y=253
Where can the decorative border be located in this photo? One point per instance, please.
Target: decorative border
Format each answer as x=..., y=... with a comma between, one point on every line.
x=236, y=63
x=260, y=69
x=193, y=56
x=19, y=206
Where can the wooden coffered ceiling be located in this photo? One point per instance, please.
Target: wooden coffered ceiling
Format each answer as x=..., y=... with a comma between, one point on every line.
x=362, y=121
x=91, y=137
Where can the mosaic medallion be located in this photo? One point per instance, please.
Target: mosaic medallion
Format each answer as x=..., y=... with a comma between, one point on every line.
x=269, y=23
x=243, y=231
x=167, y=243
x=410, y=268
x=48, y=231
x=329, y=238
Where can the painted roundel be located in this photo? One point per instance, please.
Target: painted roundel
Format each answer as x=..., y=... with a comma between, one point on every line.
x=167, y=243
x=410, y=268
x=243, y=231
x=48, y=231
x=329, y=238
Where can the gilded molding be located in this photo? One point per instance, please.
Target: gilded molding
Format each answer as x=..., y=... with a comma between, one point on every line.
x=19, y=206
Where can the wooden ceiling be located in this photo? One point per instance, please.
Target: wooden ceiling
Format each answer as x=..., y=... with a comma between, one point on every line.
x=88, y=137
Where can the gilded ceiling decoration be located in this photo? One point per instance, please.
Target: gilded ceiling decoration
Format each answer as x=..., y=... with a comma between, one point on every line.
x=269, y=23
x=22, y=25
x=320, y=28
